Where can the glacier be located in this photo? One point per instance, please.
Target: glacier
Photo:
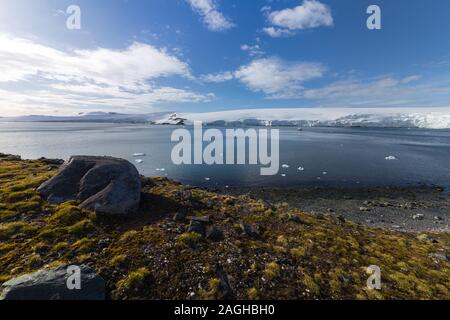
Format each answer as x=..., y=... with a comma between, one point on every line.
x=430, y=118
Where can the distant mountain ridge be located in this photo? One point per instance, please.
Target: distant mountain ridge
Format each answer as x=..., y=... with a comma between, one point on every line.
x=99, y=117
x=432, y=118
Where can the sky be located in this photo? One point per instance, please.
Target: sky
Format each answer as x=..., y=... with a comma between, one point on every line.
x=142, y=56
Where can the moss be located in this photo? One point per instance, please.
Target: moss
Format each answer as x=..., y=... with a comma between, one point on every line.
x=272, y=271
x=67, y=215
x=8, y=230
x=7, y=214
x=52, y=234
x=189, y=239
x=7, y=247
x=282, y=241
x=81, y=228
x=213, y=292
x=128, y=236
x=60, y=246
x=35, y=261
x=134, y=280
x=84, y=245
x=253, y=294
x=118, y=260
x=310, y=284
x=298, y=252
x=5, y=277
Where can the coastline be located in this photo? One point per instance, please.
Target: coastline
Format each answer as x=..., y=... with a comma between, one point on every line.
x=408, y=209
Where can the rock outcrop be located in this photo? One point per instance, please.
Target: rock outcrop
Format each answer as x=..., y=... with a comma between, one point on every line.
x=52, y=284
x=102, y=184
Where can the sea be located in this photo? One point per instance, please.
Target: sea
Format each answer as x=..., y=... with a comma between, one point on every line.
x=322, y=157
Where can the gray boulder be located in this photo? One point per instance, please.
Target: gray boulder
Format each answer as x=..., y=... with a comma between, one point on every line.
x=52, y=284
x=102, y=184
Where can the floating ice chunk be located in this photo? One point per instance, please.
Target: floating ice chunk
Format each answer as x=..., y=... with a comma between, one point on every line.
x=160, y=169
x=285, y=166
x=390, y=158
x=324, y=173
x=283, y=175
x=207, y=179
x=139, y=155
x=301, y=169
x=139, y=161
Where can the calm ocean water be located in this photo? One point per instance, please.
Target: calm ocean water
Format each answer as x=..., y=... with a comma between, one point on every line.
x=329, y=156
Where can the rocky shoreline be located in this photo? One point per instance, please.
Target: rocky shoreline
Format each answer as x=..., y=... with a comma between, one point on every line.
x=409, y=209
x=183, y=242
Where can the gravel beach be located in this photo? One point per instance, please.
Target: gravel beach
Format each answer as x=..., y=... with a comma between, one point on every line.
x=413, y=209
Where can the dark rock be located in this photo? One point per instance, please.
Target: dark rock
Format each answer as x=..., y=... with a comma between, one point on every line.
x=103, y=184
x=52, y=161
x=205, y=219
x=214, y=234
x=10, y=157
x=51, y=284
x=197, y=227
x=439, y=256
x=224, y=285
x=179, y=216
x=253, y=231
x=147, y=182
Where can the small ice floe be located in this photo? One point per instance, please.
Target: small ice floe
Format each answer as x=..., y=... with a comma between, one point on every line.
x=319, y=178
x=160, y=169
x=324, y=173
x=207, y=179
x=285, y=166
x=301, y=169
x=139, y=154
x=138, y=161
x=283, y=175
x=390, y=158
x=227, y=187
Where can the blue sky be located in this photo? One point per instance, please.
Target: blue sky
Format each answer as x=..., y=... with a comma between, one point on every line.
x=205, y=55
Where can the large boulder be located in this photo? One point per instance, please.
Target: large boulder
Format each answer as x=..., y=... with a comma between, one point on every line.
x=52, y=284
x=102, y=184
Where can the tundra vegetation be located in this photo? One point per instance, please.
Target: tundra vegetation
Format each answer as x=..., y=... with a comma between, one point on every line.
x=267, y=251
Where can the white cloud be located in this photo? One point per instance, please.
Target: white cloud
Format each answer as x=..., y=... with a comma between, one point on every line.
x=213, y=19
x=278, y=32
x=411, y=79
x=23, y=58
x=276, y=78
x=381, y=91
x=98, y=77
x=311, y=14
x=219, y=77
x=254, y=50
x=352, y=88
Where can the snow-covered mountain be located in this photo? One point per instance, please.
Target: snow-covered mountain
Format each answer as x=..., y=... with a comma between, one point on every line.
x=105, y=117
x=433, y=118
